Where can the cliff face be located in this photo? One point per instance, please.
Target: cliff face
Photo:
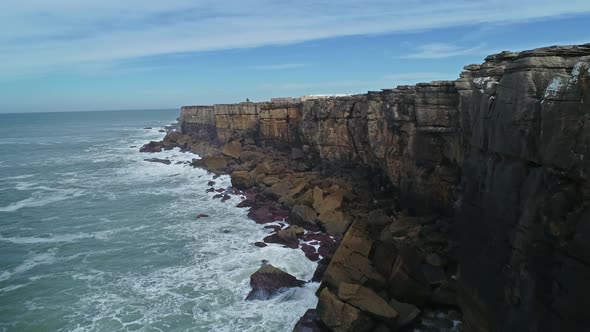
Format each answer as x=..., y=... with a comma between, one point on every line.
x=523, y=226
x=506, y=147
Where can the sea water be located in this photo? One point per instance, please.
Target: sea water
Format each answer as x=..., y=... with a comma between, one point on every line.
x=94, y=238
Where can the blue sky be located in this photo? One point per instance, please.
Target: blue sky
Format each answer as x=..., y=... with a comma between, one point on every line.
x=69, y=55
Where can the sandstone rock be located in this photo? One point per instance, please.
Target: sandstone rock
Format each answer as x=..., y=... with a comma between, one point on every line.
x=268, y=281
x=303, y=216
x=241, y=179
x=366, y=300
x=280, y=188
x=232, y=149
x=351, y=262
x=214, y=164
x=339, y=316
x=334, y=222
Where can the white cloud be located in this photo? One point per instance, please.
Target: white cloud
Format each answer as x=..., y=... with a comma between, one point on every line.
x=443, y=50
x=38, y=34
x=280, y=66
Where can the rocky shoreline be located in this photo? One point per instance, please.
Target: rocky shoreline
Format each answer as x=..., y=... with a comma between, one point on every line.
x=448, y=201
x=310, y=210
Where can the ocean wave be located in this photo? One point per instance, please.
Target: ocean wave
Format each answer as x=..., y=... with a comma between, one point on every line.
x=58, y=238
x=30, y=263
x=18, y=177
x=39, y=199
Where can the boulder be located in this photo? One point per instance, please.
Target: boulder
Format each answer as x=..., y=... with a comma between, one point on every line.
x=151, y=147
x=310, y=322
x=268, y=281
x=303, y=215
x=333, y=222
x=367, y=300
x=351, y=262
x=241, y=179
x=213, y=164
x=232, y=149
x=340, y=316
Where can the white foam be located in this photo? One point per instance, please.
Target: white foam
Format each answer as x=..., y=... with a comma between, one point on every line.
x=18, y=177
x=31, y=262
x=38, y=199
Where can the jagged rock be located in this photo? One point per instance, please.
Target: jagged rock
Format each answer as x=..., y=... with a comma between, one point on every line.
x=151, y=147
x=339, y=316
x=310, y=322
x=351, y=262
x=334, y=222
x=241, y=179
x=303, y=216
x=367, y=300
x=269, y=281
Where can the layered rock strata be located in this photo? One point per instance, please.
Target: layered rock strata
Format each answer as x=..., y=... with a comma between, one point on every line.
x=502, y=154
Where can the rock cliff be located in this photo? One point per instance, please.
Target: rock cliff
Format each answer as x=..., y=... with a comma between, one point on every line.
x=504, y=150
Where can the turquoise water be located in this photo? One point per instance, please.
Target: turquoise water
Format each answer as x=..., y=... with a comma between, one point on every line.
x=93, y=238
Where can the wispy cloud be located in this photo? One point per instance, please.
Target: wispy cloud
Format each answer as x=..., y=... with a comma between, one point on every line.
x=39, y=34
x=443, y=50
x=278, y=66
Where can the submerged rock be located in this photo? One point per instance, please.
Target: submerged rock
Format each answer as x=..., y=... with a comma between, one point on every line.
x=268, y=281
x=158, y=160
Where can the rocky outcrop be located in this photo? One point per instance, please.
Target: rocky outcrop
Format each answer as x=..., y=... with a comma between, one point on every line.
x=268, y=281
x=501, y=156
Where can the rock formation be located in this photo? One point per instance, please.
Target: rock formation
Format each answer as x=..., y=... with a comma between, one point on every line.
x=500, y=158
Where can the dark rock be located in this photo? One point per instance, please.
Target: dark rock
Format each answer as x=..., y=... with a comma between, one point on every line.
x=269, y=281
x=225, y=198
x=310, y=322
x=320, y=270
x=245, y=203
x=260, y=244
x=157, y=160
x=303, y=216
x=151, y=147
x=211, y=183
x=210, y=190
x=162, y=131
x=202, y=216
x=147, y=128
x=217, y=196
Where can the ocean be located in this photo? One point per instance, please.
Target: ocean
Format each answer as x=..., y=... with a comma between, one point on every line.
x=94, y=238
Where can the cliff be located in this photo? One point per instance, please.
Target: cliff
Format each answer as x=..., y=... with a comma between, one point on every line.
x=505, y=149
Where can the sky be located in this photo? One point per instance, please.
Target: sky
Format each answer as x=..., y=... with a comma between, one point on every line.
x=79, y=55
